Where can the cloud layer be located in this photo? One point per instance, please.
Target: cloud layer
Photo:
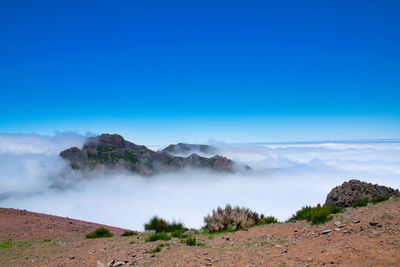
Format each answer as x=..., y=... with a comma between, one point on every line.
x=284, y=177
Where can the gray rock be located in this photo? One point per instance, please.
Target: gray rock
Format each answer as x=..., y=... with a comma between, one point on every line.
x=375, y=224
x=113, y=151
x=327, y=231
x=349, y=192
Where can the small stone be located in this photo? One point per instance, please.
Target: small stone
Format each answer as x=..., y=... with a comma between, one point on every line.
x=118, y=263
x=227, y=238
x=153, y=255
x=337, y=223
x=71, y=257
x=309, y=259
x=375, y=224
x=355, y=222
x=337, y=229
x=208, y=264
x=278, y=246
x=100, y=264
x=327, y=231
x=295, y=230
x=111, y=263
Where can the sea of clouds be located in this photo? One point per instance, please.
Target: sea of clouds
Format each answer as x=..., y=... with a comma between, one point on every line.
x=284, y=177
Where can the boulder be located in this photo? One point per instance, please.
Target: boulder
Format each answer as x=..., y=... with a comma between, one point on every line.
x=349, y=192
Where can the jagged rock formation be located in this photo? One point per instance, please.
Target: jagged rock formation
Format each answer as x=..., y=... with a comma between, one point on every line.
x=349, y=192
x=186, y=149
x=113, y=151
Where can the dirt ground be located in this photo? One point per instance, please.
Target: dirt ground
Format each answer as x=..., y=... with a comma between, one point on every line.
x=368, y=236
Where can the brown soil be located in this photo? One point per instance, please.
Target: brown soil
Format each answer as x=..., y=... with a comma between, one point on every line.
x=288, y=244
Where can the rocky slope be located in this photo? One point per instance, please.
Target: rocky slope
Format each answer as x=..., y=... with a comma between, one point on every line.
x=113, y=151
x=368, y=236
x=186, y=149
x=349, y=192
x=17, y=225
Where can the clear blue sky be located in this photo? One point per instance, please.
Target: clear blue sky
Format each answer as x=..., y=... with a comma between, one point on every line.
x=165, y=71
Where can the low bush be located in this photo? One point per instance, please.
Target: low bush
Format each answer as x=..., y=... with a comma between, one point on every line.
x=364, y=201
x=379, y=199
x=178, y=234
x=361, y=202
x=156, y=249
x=99, y=233
x=9, y=244
x=128, y=233
x=267, y=220
x=158, y=236
x=191, y=241
x=316, y=215
x=160, y=225
x=230, y=219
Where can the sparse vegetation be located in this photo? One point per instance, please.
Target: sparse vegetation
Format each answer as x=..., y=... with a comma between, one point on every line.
x=46, y=240
x=157, y=249
x=364, y=201
x=99, y=233
x=316, y=215
x=178, y=234
x=379, y=199
x=128, y=233
x=267, y=220
x=191, y=241
x=230, y=219
x=160, y=225
x=158, y=236
x=9, y=244
x=361, y=202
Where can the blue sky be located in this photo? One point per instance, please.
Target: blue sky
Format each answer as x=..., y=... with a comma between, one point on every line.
x=168, y=71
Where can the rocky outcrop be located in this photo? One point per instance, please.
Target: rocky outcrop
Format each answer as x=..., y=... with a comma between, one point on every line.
x=187, y=149
x=349, y=192
x=113, y=151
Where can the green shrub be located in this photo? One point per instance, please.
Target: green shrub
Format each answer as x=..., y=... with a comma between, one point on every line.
x=157, y=224
x=128, y=233
x=178, y=234
x=379, y=199
x=5, y=244
x=99, y=233
x=316, y=215
x=156, y=249
x=9, y=244
x=160, y=225
x=158, y=236
x=361, y=202
x=191, y=241
x=267, y=220
x=46, y=240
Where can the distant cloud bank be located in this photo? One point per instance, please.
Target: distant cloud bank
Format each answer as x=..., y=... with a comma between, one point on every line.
x=284, y=177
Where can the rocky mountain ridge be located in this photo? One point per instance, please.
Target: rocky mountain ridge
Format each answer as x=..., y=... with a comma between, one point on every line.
x=113, y=151
x=186, y=149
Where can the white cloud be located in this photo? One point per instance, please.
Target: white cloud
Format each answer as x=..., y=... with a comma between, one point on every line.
x=284, y=177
